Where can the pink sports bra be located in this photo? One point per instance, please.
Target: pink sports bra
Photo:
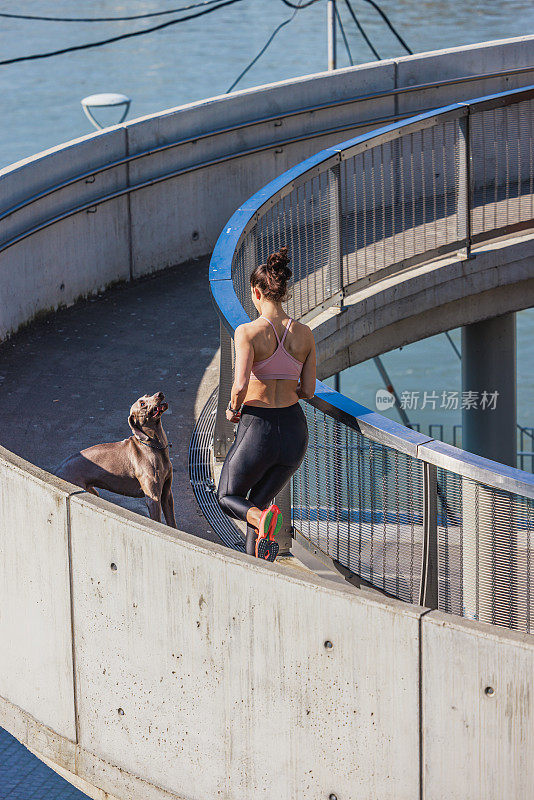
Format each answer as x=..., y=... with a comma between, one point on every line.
x=281, y=364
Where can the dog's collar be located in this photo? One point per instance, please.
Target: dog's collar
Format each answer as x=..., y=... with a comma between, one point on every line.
x=153, y=446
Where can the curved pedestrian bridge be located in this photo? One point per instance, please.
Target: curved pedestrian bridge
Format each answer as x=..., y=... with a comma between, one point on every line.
x=147, y=663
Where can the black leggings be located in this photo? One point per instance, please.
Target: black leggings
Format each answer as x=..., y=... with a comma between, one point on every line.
x=269, y=447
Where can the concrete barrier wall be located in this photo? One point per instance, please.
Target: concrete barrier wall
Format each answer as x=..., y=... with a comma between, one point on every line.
x=172, y=221
x=187, y=670
x=221, y=670
x=36, y=671
x=76, y=256
x=471, y=60
x=199, y=672
x=478, y=711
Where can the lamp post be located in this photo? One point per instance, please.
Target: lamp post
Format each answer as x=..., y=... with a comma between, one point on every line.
x=331, y=32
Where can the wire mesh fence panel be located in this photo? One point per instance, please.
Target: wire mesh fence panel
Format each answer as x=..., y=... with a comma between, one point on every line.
x=361, y=503
x=400, y=200
x=502, y=167
x=243, y=263
x=485, y=552
x=306, y=221
x=395, y=202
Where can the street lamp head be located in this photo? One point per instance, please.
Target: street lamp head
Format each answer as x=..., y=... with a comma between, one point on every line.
x=105, y=100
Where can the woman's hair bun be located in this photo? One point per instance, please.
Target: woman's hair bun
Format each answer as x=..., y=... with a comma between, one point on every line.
x=277, y=262
x=272, y=277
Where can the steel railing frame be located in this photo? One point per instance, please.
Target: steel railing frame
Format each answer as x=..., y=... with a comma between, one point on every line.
x=431, y=452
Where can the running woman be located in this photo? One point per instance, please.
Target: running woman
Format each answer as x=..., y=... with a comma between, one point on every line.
x=274, y=369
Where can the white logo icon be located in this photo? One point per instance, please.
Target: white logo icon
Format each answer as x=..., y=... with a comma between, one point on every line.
x=384, y=399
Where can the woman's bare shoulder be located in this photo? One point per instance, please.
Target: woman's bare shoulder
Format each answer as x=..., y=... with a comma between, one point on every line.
x=303, y=330
x=247, y=331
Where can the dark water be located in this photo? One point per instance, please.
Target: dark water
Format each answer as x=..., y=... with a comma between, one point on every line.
x=40, y=102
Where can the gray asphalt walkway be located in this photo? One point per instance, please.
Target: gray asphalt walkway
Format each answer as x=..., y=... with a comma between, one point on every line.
x=68, y=381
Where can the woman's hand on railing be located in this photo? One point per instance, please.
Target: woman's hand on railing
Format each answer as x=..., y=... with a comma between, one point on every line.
x=304, y=395
x=233, y=414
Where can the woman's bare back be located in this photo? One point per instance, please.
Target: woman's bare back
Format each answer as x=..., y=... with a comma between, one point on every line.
x=299, y=343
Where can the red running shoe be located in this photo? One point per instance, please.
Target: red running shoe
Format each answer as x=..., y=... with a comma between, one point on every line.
x=270, y=523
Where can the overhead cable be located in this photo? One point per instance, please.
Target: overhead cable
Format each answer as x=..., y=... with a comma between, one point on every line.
x=390, y=25
x=345, y=40
x=267, y=43
x=109, y=19
x=363, y=33
x=112, y=39
x=375, y=6
x=298, y=6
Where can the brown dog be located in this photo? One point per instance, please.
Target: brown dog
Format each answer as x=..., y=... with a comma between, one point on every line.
x=136, y=467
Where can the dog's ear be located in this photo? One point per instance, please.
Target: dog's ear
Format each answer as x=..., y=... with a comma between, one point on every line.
x=136, y=430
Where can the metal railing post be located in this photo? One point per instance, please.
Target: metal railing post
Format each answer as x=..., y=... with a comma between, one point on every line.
x=285, y=534
x=335, y=273
x=429, y=577
x=224, y=430
x=340, y=468
x=463, y=156
x=331, y=33
x=333, y=282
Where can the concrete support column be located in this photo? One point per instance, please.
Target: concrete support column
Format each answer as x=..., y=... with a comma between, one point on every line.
x=489, y=367
x=489, y=555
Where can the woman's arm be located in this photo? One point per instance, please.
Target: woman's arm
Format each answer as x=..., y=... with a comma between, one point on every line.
x=306, y=388
x=244, y=358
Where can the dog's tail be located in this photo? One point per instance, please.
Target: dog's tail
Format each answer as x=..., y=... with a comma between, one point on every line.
x=62, y=470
